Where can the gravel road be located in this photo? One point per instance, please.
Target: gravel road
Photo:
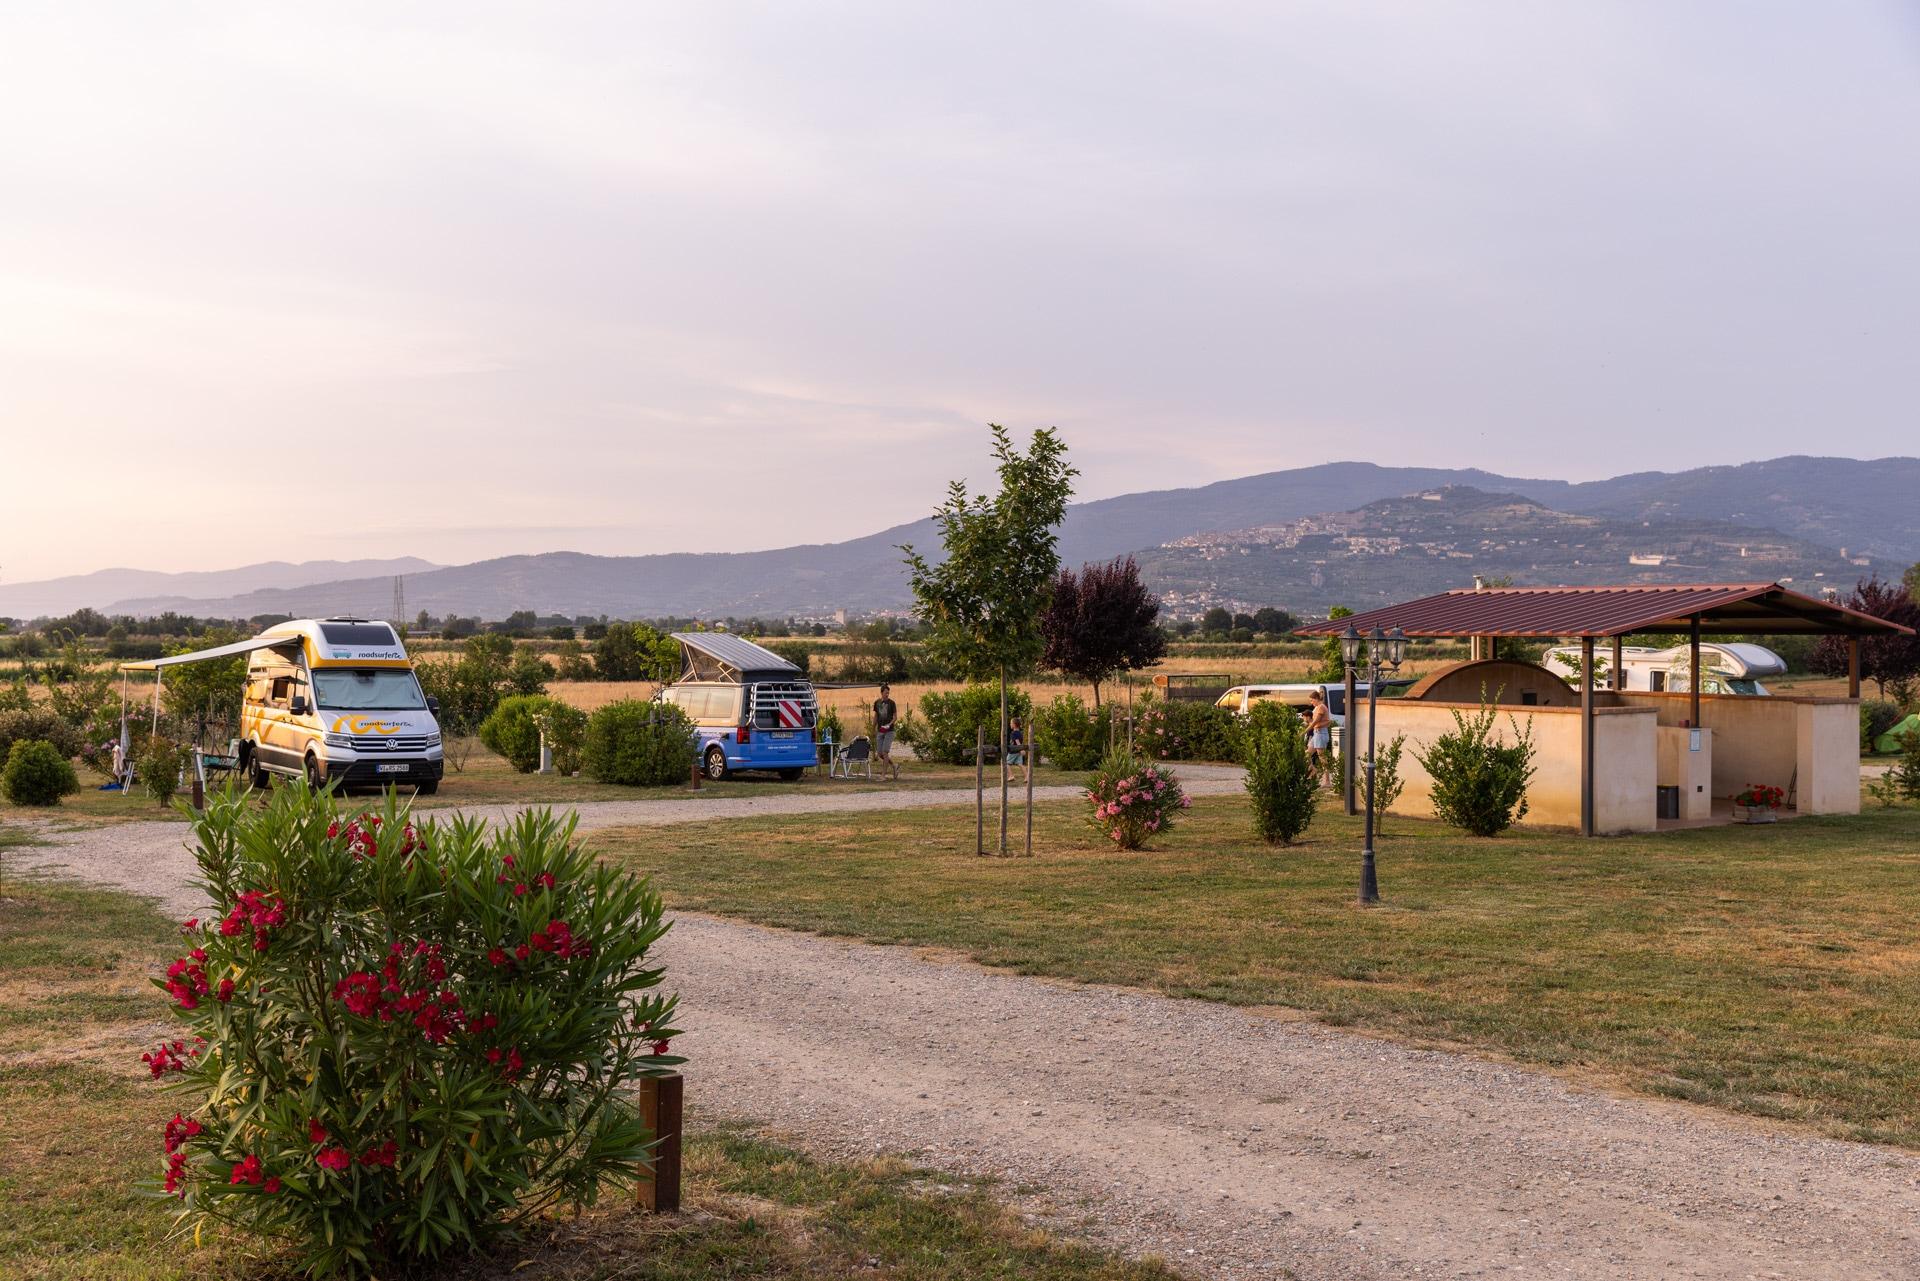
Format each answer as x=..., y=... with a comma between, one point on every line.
x=1233, y=1143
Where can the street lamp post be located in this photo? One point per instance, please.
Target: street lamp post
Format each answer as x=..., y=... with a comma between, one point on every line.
x=1385, y=650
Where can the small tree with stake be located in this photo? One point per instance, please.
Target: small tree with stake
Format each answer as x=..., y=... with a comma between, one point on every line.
x=1101, y=622
x=984, y=601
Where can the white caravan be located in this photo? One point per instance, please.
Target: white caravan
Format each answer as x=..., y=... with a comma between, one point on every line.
x=1733, y=667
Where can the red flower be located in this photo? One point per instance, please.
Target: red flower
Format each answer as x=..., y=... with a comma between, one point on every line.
x=179, y=1130
x=519, y=891
x=225, y=993
x=496, y=956
x=381, y=1157
x=360, y=993
x=522, y=952
x=545, y=880
x=248, y=1171
x=273, y=1185
x=177, y=1174
x=167, y=1057
x=334, y=1159
x=660, y=1047
x=316, y=1132
x=190, y=924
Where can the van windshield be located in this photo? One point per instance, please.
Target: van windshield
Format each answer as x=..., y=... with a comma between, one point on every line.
x=366, y=689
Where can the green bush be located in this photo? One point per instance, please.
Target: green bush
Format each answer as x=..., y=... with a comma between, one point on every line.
x=1479, y=783
x=1387, y=783
x=1133, y=800
x=1280, y=776
x=1877, y=716
x=513, y=731
x=1186, y=730
x=951, y=722
x=40, y=723
x=157, y=763
x=399, y=1042
x=37, y=774
x=1071, y=734
x=829, y=727
x=639, y=743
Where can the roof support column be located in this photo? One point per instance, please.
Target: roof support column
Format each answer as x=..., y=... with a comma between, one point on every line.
x=1618, y=680
x=1693, y=668
x=1853, y=667
x=1586, y=736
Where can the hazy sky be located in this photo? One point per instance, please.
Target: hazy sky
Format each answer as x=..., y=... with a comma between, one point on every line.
x=337, y=280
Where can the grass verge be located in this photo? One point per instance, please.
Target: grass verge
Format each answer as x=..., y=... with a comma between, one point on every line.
x=83, y=1128
x=1771, y=970
x=489, y=780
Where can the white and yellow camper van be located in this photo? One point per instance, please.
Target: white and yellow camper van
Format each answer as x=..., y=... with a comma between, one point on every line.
x=336, y=699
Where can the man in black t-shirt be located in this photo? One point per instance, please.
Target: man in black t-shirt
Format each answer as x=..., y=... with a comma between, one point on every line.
x=884, y=715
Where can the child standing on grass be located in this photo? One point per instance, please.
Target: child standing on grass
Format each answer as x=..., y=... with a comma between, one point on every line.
x=884, y=715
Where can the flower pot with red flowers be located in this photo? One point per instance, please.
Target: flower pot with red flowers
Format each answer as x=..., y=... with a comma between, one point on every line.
x=1759, y=803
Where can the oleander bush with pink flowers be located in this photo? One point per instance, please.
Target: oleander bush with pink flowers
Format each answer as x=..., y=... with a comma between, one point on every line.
x=400, y=1040
x=1133, y=800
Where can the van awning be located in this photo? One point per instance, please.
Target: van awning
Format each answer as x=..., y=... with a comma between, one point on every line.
x=218, y=651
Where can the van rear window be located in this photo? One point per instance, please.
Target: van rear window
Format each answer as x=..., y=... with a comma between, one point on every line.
x=357, y=633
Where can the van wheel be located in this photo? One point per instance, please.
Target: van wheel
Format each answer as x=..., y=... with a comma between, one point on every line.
x=427, y=788
x=791, y=775
x=716, y=764
x=316, y=775
x=256, y=777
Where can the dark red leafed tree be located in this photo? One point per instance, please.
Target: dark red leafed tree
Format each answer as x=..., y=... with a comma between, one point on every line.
x=1884, y=660
x=1101, y=622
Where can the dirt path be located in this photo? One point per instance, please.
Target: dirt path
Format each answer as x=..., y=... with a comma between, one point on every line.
x=1235, y=1145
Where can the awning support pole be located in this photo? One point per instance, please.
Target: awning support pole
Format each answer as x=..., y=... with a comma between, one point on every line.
x=1693, y=669
x=1618, y=679
x=1586, y=736
x=1853, y=667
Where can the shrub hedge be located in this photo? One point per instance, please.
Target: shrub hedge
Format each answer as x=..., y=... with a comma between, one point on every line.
x=639, y=743
x=951, y=722
x=37, y=774
x=1071, y=734
x=403, y=1042
x=513, y=731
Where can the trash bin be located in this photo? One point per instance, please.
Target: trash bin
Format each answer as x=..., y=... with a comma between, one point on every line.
x=1667, y=804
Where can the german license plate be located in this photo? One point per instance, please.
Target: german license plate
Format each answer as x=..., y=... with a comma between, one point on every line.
x=400, y=768
x=783, y=734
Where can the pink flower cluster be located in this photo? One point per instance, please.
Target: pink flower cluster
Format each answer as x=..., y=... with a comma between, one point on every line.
x=1129, y=808
x=178, y=1131
x=255, y=909
x=362, y=835
x=171, y=1056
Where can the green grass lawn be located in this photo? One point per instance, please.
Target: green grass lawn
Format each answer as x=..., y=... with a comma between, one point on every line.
x=1771, y=970
x=490, y=780
x=82, y=1141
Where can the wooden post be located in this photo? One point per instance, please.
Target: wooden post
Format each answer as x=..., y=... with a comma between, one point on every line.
x=980, y=790
x=660, y=1101
x=1853, y=667
x=1693, y=681
x=1005, y=781
x=1586, y=736
x=1617, y=681
x=1352, y=713
x=696, y=773
x=1030, y=750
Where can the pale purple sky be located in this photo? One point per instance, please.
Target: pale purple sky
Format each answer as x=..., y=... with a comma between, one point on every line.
x=343, y=280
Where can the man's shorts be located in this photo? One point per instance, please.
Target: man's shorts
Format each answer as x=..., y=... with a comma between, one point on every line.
x=883, y=742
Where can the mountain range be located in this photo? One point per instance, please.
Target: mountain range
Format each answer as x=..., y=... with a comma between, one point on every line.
x=1225, y=543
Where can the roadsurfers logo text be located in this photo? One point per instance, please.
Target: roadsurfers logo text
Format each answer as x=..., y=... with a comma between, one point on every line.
x=366, y=725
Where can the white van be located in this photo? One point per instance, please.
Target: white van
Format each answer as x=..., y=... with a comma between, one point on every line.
x=1733, y=667
x=336, y=700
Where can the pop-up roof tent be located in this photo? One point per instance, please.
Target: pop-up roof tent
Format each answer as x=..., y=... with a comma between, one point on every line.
x=719, y=656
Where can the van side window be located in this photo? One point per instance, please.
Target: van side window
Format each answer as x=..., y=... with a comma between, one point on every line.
x=1657, y=681
x=282, y=687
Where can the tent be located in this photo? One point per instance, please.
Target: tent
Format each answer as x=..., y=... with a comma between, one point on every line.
x=1890, y=743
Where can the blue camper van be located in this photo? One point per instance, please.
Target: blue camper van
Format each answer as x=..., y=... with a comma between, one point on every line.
x=751, y=709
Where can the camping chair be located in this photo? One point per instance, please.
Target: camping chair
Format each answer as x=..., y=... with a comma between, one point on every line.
x=858, y=752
